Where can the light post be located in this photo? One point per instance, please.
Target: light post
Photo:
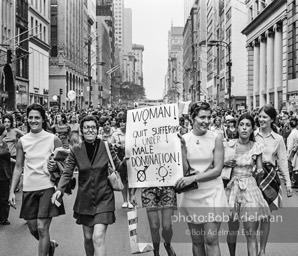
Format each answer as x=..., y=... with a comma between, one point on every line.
x=90, y=78
x=229, y=64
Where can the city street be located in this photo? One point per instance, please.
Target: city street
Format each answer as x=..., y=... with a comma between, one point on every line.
x=15, y=239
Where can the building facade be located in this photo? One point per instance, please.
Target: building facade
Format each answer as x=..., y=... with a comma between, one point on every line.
x=39, y=51
x=21, y=56
x=174, y=90
x=267, y=42
x=7, y=44
x=138, y=54
x=67, y=60
x=226, y=58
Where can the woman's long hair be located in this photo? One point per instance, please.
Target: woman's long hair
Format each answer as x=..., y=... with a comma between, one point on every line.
x=252, y=121
x=41, y=110
x=271, y=112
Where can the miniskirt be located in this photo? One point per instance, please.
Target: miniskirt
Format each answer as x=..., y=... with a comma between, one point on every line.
x=106, y=218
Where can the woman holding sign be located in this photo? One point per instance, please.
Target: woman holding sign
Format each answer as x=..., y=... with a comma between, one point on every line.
x=205, y=155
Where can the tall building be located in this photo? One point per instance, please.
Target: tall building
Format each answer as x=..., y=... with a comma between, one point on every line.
x=39, y=49
x=119, y=19
x=138, y=54
x=226, y=57
x=7, y=42
x=187, y=7
x=105, y=47
x=127, y=30
x=21, y=52
x=67, y=61
x=175, y=65
x=271, y=38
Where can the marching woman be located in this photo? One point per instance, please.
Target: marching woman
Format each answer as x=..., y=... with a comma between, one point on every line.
x=94, y=206
x=33, y=152
x=244, y=197
x=274, y=151
x=62, y=129
x=205, y=155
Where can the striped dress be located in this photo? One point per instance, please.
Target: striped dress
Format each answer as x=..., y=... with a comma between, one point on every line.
x=244, y=197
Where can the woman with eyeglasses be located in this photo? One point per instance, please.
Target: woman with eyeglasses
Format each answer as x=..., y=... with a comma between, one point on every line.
x=107, y=131
x=94, y=206
x=205, y=156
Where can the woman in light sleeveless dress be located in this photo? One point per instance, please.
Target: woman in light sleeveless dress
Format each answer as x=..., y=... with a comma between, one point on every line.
x=204, y=206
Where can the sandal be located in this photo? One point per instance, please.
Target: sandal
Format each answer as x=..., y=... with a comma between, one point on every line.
x=53, y=246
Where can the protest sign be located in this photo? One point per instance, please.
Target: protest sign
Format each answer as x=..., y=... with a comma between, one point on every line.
x=153, y=147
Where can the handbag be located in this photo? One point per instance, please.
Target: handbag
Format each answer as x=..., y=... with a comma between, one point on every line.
x=114, y=176
x=138, y=226
x=189, y=187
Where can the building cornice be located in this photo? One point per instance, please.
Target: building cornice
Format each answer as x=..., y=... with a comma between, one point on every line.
x=35, y=40
x=37, y=14
x=267, y=12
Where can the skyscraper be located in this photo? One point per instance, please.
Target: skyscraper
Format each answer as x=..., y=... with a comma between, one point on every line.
x=187, y=7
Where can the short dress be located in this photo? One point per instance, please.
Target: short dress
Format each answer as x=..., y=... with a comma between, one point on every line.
x=158, y=198
x=244, y=197
x=207, y=203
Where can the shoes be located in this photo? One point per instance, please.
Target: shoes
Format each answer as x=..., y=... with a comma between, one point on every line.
x=4, y=222
x=169, y=249
x=130, y=205
x=53, y=246
x=124, y=205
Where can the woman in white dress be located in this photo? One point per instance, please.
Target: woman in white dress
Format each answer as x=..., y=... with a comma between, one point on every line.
x=205, y=155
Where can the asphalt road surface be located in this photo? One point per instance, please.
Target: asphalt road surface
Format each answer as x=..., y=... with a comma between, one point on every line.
x=15, y=239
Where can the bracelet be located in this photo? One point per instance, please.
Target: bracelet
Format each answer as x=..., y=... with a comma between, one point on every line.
x=260, y=170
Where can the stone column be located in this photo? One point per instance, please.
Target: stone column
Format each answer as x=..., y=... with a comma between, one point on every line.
x=277, y=61
x=256, y=72
x=270, y=64
x=262, y=70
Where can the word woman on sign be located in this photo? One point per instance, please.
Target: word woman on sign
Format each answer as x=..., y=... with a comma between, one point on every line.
x=155, y=164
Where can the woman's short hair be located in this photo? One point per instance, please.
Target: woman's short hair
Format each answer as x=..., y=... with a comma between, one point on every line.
x=196, y=107
x=252, y=121
x=233, y=121
x=87, y=119
x=9, y=117
x=41, y=110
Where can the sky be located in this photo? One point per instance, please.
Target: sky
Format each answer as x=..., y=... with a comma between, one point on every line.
x=151, y=22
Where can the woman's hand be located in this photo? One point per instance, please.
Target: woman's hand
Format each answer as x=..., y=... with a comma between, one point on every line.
x=182, y=140
x=185, y=181
x=12, y=199
x=52, y=165
x=56, y=196
x=230, y=163
x=289, y=192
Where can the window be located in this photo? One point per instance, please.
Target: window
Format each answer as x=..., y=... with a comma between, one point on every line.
x=36, y=28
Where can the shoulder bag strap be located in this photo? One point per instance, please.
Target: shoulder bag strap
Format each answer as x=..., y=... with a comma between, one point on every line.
x=109, y=154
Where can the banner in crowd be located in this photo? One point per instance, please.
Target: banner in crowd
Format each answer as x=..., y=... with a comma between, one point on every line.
x=153, y=147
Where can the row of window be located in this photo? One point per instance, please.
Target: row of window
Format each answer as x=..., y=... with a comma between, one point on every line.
x=41, y=6
x=38, y=30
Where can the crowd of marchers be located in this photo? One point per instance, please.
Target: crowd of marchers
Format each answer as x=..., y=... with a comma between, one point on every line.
x=231, y=160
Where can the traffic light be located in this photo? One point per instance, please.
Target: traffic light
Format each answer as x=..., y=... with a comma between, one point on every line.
x=9, y=57
x=61, y=91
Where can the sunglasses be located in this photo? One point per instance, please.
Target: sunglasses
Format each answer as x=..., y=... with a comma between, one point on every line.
x=86, y=127
x=105, y=125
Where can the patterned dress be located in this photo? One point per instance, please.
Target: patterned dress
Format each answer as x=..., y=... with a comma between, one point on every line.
x=244, y=197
